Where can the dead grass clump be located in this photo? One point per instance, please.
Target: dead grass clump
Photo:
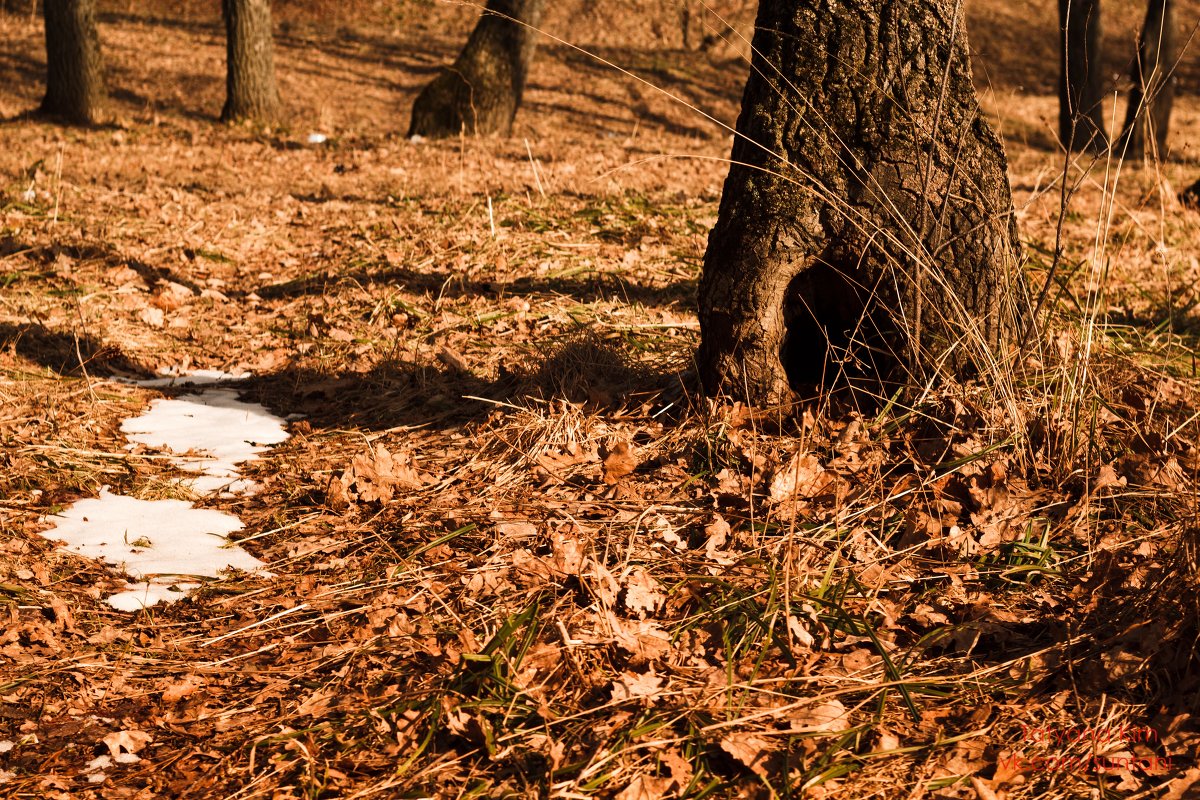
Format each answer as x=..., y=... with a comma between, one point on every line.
x=542, y=442
x=587, y=369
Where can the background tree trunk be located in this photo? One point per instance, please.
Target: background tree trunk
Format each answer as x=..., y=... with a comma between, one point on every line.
x=481, y=92
x=74, y=74
x=1148, y=117
x=866, y=223
x=1081, y=77
x=250, y=89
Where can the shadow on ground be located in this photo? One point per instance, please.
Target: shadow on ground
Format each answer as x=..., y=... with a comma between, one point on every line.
x=599, y=287
x=68, y=352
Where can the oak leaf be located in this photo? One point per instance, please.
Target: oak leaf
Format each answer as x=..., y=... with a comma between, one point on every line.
x=642, y=594
x=631, y=685
x=751, y=751
x=801, y=478
x=619, y=462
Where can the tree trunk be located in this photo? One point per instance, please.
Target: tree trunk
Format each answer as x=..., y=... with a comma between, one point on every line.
x=1081, y=77
x=250, y=90
x=481, y=92
x=1148, y=117
x=74, y=75
x=866, y=225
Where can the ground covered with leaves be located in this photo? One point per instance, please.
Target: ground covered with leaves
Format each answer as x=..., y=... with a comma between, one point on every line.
x=514, y=551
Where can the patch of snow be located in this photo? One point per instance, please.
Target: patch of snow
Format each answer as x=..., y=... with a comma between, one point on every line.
x=146, y=538
x=209, y=433
x=219, y=428
x=174, y=376
x=95, y=769
x=317, y=138
x=148, y=593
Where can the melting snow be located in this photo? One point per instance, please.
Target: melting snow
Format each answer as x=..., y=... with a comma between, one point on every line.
x=219, y=429
x=173, y=376
x=156, y=541
x=152, y=537
x=148, y=593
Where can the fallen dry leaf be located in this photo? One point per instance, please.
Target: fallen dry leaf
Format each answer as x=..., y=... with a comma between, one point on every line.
x=644, y=787
x=827, y=716
x=801, y=478
x=751, y=751
x=643, y=639
x=376, y=476
x=642, y=595
x=128, y=741
x=633, y=685
x=176, y=691
x=568, y=552
x=619, y=462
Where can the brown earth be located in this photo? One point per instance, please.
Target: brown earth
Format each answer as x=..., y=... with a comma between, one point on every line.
x=515, y=553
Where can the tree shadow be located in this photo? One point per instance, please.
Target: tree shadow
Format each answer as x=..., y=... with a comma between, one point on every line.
x=68, y=352
x=683, y=78
x=588, y=373
x=635, y=113
x=104, y=253
x=601, y=287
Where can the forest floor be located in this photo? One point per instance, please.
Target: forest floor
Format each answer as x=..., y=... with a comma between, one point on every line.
x=513, y=551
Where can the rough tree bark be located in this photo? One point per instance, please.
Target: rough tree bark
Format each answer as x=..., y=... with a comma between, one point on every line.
x=481, y=92
x=866, y=224
x=1081, y=77
x=74, y=74
x=1148, y=117
x=250, y=89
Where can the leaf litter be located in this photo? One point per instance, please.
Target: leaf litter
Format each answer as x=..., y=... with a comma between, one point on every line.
x=517, y=561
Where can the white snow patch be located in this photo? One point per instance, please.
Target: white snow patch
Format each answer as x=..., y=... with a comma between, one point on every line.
x=209, y=433
x=219, y=430
x=174, y=376
x=148, y=593
x=152, y=538
x=95, y=769
x=317, y=138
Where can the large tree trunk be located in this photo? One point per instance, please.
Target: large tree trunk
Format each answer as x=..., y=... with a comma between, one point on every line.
x=74, y=75
x=866, y=225
x=481, y=92
x=1081, y=77
x=1148, y=117
x=250, y=90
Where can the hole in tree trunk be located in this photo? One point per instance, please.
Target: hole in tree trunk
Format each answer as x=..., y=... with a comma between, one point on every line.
x=837, y=339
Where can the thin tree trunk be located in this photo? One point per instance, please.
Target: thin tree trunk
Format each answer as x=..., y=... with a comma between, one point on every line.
x=481, y=92
x=1081, y=77
x=866, y=225
x=250, y=89
x=74, y=74
x=1148, y=117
